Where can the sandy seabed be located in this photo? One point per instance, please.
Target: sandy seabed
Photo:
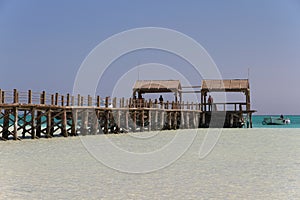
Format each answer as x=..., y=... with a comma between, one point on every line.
x=244, y=164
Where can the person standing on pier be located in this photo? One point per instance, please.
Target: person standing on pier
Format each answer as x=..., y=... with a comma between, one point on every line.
x=210, y=102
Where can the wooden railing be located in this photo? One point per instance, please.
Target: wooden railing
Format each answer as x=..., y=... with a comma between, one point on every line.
x=228, y=106
x=43, y=98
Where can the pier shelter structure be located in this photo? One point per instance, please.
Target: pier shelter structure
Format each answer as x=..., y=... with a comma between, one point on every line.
x=235, y=112
x=158, y=86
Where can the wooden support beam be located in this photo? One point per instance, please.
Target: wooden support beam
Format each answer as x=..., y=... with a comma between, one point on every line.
x=5, y=131
x=16, y=117
x=94, y=118
x=150, y=124
x=64, y=123
x=49, y=123
x=162, y=119
x=84, y=123
x=74, y=122
x=33, y=123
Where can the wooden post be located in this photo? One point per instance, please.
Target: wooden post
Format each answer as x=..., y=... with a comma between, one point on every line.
x=43, y=97
x=64, y=122
x=56, y=99
x=81, y=101
x=114, y=102
x=187, y=119
x=123, y=102
x=106, y=102
x=94, y=116
x=16, y=117
x=29, y=97
x=78, y=100
x=182, y=119
x=175, y=120
x=150, y=118
x=248, y=100
x=194, y=119
x=5, y=131
x=33, y=124
x=74, y=122
x=169, y=118
x=3, y=97
x=48, y=132
x=98, y=101
x=90, y=100
x=127, y=103
x=68, y=99
x=52, y=99
x=16, y=99
x=25, y=123
x=127, y=120
x=134, y=120
x=0, y=96
x=106, y=122
x=142, y=119
x=84, y=123
x=118, y=120
x=162, y=120
x=38, y=124
x=156, y=120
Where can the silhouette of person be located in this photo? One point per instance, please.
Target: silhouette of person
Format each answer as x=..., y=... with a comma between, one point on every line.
x=161, y=99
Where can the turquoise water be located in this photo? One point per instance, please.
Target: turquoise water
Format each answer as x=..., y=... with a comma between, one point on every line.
x=257, y=121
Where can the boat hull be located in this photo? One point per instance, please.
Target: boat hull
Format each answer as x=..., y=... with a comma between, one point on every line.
x=275, y=121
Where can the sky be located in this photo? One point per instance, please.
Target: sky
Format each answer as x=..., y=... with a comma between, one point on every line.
x=44, y=43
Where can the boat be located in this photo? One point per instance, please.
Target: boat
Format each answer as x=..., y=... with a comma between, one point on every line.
x=276, y=121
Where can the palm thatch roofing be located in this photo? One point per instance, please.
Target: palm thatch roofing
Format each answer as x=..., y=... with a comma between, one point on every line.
x=233, y=85
x=157, y=86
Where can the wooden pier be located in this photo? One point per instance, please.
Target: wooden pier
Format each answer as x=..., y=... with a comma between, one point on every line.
x=35, y=115
x=38, y=114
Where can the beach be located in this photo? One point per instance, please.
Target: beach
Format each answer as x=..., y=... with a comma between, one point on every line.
x=244, y=164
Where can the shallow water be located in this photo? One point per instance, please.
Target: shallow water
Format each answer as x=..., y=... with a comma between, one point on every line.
x=244, y=164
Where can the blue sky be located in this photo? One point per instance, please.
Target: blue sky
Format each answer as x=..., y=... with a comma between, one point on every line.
x=43, y=43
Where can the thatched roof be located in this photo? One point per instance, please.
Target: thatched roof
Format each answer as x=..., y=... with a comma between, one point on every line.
x=233, y=85
x=157, y=86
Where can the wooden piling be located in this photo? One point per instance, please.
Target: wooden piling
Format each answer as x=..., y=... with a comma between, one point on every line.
x=64, y=122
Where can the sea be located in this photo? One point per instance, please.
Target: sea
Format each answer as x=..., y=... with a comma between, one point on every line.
x=257, y=121
x=258, y=163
